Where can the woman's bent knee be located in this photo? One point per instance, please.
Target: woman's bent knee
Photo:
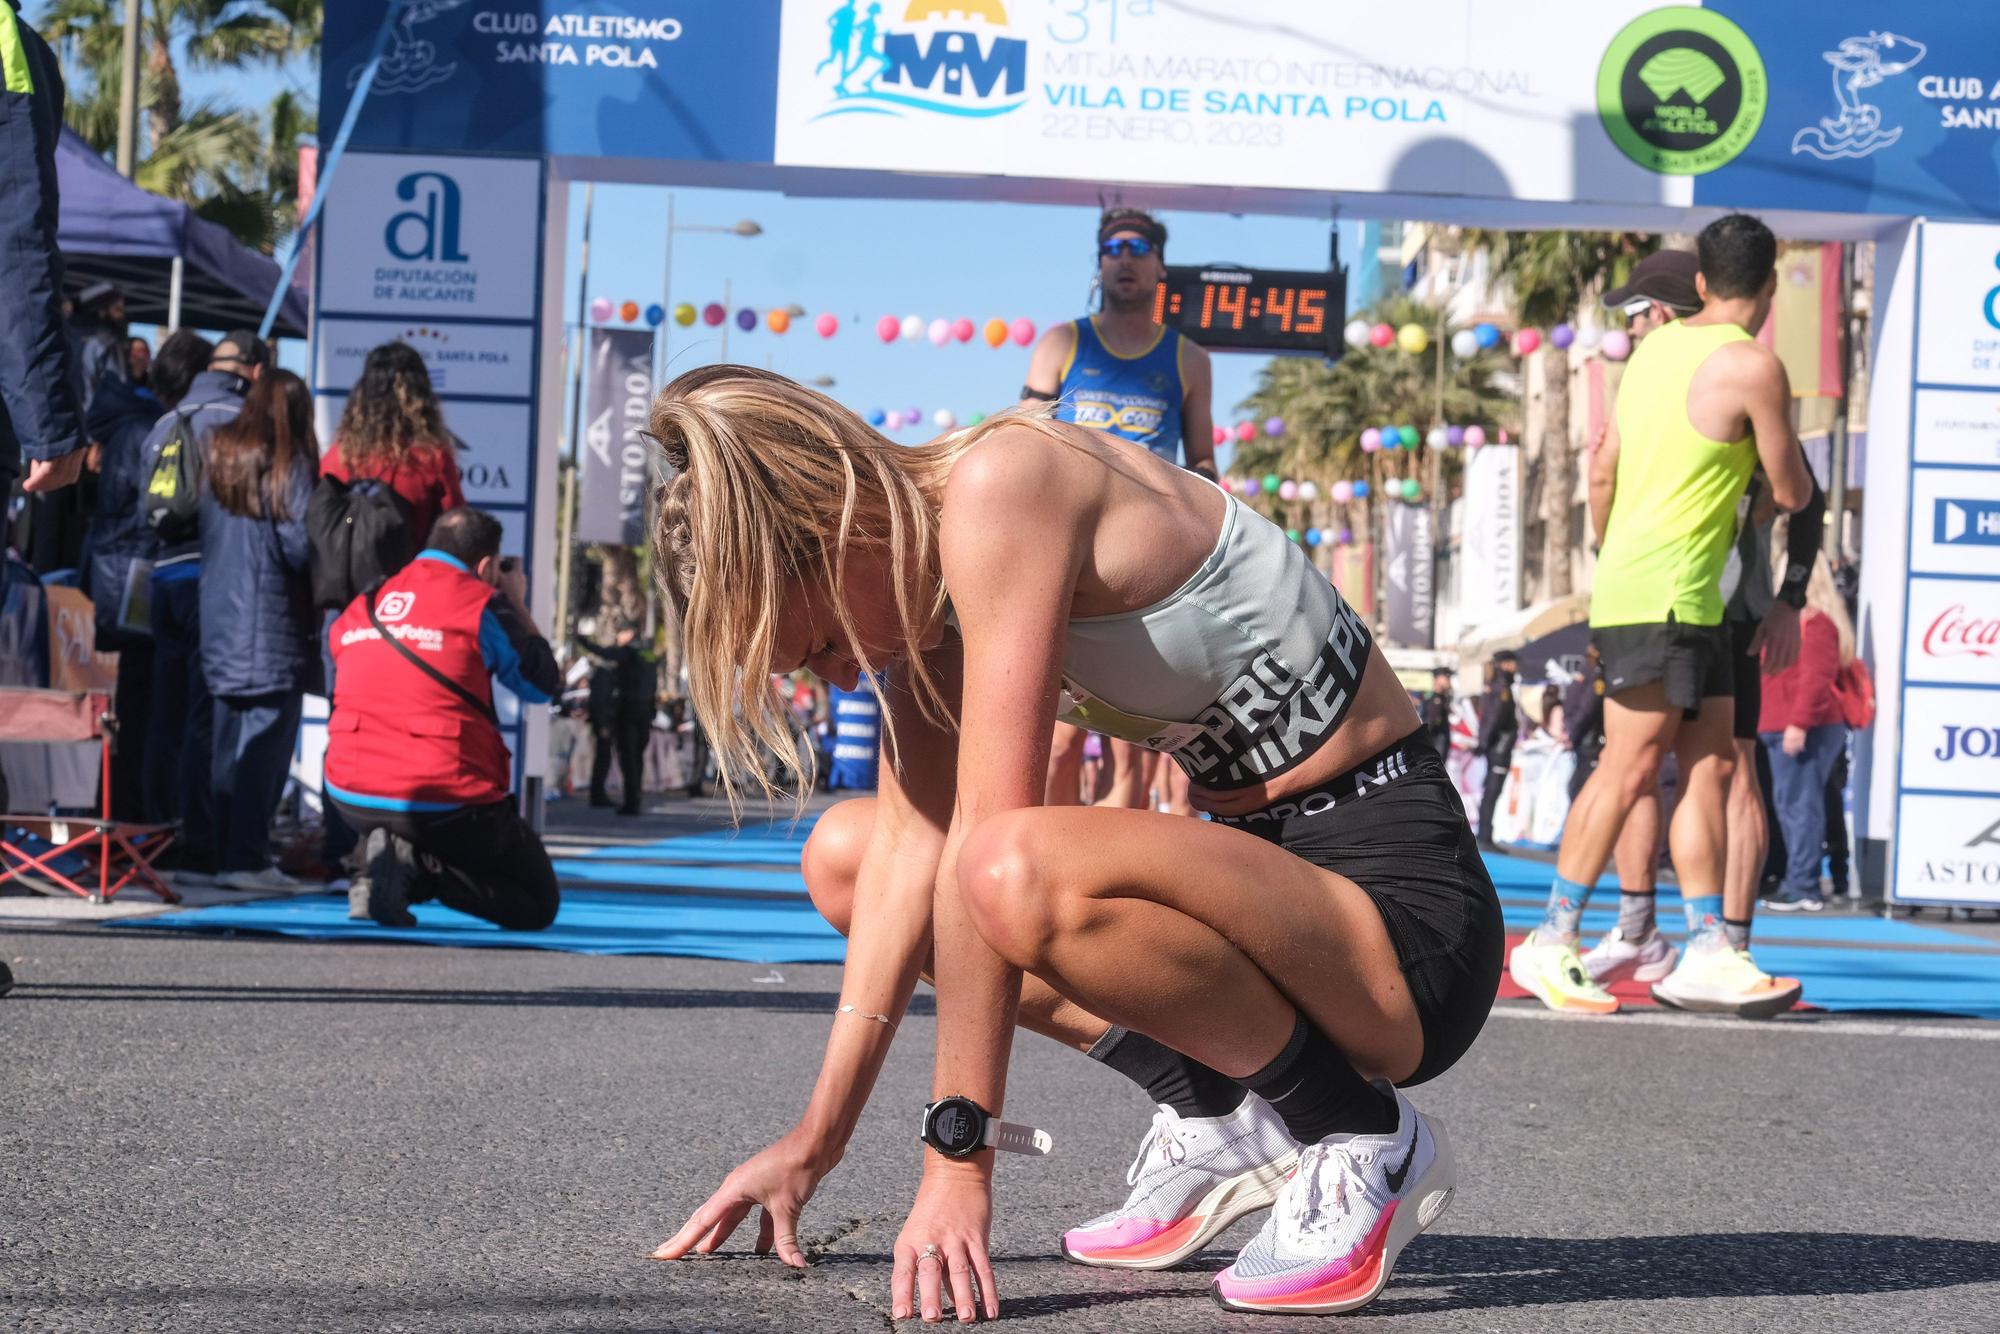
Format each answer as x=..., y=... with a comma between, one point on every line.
x=1010, y=900
x=831, y=861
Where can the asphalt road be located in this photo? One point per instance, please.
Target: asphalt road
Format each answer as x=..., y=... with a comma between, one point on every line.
x=209, y=1134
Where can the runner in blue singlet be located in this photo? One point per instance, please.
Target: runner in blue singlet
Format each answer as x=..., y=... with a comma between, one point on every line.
x=1119, y=371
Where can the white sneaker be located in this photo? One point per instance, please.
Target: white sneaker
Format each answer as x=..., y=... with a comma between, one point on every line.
x=1721, y=980
x=1616, y=957
x=270, y=880
x=1332, y=1239
x=1194, y=1176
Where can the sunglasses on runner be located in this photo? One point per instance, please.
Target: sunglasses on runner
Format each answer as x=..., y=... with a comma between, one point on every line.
x=1138, y=247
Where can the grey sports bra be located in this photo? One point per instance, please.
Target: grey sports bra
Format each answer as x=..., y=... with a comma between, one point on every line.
x=1239, y=674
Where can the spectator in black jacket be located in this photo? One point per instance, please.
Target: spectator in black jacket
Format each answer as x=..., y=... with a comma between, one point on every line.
x=628, y=715
x=1499, y=725
x=1437, y=713
x=1583, y=715
x=41, y=419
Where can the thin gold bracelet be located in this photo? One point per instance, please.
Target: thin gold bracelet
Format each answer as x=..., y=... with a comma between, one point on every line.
x=881, y=1019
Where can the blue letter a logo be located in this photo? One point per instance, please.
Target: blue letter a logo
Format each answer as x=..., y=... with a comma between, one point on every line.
x=434, y=222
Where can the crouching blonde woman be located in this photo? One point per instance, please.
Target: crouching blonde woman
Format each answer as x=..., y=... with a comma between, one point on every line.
x=1270, y=976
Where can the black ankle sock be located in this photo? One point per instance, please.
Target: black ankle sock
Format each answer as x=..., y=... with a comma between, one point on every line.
x=1738, y=932
x=1178, y=1081
x=1318, y=1093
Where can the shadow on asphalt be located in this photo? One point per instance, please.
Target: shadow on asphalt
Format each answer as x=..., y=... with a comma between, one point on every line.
x=577, y=998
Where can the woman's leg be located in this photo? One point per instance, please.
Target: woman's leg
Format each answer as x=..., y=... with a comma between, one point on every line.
x=1238, y=936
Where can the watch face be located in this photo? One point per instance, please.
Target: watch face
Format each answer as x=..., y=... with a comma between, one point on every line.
x=955, y=1126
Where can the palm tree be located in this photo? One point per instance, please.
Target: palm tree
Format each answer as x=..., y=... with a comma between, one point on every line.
x=1326, y=408
x=1550, y=275
x=229, y=164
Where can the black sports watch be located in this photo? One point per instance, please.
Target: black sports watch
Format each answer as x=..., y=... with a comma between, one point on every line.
x=1792, y=592
x=959, y=1127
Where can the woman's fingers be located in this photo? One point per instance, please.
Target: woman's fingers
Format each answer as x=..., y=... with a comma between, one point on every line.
x=693, y=1230
x=764, y=1234
x=958, y=1263
x=982, y=1266
x=783, y=1219
x=930, y=1279
x=732, y=1214
x=902, y=1282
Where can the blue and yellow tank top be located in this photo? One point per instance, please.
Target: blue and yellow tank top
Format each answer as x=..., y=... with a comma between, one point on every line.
x=1137, y=397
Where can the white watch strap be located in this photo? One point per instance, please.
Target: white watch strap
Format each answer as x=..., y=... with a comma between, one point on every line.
x=1015, y=1138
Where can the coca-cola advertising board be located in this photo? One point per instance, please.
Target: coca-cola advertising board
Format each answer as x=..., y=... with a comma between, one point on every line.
x=1947, y=832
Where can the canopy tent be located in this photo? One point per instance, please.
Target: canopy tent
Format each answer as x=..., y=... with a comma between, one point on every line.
x=112, y=231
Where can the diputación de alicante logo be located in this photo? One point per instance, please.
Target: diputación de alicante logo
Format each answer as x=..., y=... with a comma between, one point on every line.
x=937, y=57
x=1681, y=90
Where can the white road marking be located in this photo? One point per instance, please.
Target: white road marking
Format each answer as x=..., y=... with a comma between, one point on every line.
x=1818, y=1026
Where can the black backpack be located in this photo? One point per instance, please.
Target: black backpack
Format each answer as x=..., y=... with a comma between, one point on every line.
x=172, y=503
x=359, y=533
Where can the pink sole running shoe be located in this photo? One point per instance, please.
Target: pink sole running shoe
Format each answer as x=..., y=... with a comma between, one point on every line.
x=1194, y=1176
x=1331, y=1242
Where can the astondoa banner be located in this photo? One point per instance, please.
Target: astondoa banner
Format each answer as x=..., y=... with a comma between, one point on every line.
x=1410, y=576
x=1489, y=551
x=1737, y=103
x=613, y=463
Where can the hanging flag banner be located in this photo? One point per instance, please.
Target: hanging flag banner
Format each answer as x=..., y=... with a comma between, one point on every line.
x=1489, y=551
x=612, y=483
x=1411, y=576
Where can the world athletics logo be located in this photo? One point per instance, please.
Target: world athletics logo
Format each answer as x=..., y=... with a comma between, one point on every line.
x=943, y=57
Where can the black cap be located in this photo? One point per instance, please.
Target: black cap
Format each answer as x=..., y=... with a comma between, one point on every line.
x=250, y=349
x=1665, y=276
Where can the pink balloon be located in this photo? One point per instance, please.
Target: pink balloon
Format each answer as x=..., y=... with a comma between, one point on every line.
x=962, y=330
x=940, y=331
x=600, y=310
x=1022, y=331
x=828, y=325
x=1343, y=492
x=1526, y=341
x=894, y=419
x=1617, y=345
x=1381, y=335
x=1371, y=440
x=1221, y=434
x=1288, y=490
x=888, y=328
x=1246, y=431
x=713, y=314
x=1475, y=436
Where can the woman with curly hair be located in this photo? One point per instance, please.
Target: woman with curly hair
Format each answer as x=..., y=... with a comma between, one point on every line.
x=392, y=430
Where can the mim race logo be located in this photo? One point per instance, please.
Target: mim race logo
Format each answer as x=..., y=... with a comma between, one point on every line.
x=926, y=57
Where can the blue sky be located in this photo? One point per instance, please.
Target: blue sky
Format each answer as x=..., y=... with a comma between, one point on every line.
x=861, y=259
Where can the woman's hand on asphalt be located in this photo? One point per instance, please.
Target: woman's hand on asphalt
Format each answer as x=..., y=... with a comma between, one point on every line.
x=942, y=1249
x=780, y=1179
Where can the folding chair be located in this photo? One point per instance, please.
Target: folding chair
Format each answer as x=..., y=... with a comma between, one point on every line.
x=115, y=853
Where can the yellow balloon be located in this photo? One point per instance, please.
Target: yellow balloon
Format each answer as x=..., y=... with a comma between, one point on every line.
x=684, y=314
x=1413, y=338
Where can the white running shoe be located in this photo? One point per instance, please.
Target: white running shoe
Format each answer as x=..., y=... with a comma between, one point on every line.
x=270, y=880
x=1719, y=980
x=1616, y=958
x=1194, y=1176
x=1332, y=1239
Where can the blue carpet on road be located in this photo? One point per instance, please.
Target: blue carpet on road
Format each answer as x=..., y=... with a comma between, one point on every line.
x=762, y=916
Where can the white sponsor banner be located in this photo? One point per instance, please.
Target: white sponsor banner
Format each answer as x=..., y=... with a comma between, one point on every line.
x=1355, y=98
x=1959, y=306
x=415, y=236
x=1948, y=848
x=495, y=360
x=1958, y=425
x=1951, y=740
x=1954, y=522
x=1489, y=551
x=1954, y=632
x=495, y=442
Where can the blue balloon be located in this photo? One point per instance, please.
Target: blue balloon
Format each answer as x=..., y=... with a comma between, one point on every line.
x=1313, y=537
x=1487, y=335
x=1361, y=490
x=877, y=416
x=656, y=315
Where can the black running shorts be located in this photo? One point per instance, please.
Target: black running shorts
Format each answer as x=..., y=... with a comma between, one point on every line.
x=1749, y=679
x=1394, y=826
x=1694, y=662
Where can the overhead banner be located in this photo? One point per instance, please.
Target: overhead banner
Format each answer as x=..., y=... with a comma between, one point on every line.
x=1489, y=551
x=1731, y=103
x=1411, y=576
x=1947, y=831
x=614, y=461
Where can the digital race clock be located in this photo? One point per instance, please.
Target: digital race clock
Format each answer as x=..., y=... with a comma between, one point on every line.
x=1256, y=310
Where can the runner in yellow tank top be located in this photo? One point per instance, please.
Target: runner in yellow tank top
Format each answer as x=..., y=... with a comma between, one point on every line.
x=1693, y=401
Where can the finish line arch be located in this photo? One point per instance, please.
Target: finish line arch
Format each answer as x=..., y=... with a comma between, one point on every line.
x=445, y=214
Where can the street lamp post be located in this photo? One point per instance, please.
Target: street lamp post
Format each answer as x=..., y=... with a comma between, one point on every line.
x=745, y=228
